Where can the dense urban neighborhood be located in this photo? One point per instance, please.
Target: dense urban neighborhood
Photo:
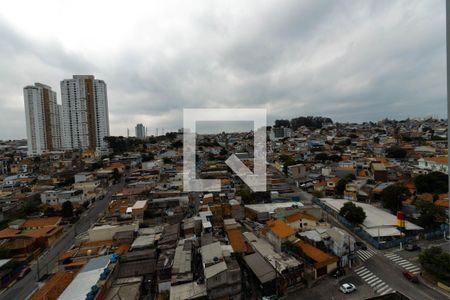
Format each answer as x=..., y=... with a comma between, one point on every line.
x=351, y=211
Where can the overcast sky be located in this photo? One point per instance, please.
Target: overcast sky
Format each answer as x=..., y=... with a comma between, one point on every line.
x=348, y=60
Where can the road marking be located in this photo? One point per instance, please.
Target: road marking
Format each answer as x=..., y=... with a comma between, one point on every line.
x=384, y=288
x=375, y=283
x=379, y=285
x=361, y=273
x=373, y=280
x=404, y=263
x=360, y=268
x=367, y=276
x=365, y=254
x=387, y=291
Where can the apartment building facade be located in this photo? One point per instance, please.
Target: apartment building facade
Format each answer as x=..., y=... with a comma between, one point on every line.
x=85, y=113
x=43, y=120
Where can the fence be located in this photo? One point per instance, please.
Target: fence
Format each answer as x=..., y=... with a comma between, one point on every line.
x=433, y=235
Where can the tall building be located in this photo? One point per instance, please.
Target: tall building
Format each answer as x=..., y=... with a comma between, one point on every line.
x=85, y=113
x=140, y=131
x=42, y=119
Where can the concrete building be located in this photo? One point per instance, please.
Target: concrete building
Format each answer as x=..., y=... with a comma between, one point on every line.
x=434, y=164
x=140, y=131
x=85, y=113
x=42, y=119
x=278, y=133
x=222, y=272
x=379, y=224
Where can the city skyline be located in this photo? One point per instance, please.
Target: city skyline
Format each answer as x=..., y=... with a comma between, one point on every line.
x=364, y=60
x=81, y=121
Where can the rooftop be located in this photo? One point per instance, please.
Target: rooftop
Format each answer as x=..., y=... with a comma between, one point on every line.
x=280, y=229
x=86, y=278
x=378, y=222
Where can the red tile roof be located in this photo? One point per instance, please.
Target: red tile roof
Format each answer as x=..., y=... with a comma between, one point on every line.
x=299, y=216
x=320, y=258
x=237, y=240
x=280, y=229
x=41, y=222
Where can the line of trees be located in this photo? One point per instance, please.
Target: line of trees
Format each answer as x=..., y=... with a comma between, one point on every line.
x=310, y=122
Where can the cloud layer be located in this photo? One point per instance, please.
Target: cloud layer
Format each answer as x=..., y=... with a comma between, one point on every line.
x=348, y=60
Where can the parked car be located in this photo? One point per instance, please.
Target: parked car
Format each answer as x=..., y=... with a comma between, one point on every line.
x=23, y=272
x=411, y=277
x=412, y=247
x=347, y=288
x=271, y=297
x=361, y=245
x=338, y=273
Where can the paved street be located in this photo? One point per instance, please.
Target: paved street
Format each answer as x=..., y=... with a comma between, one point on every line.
x=21, y=289
x=391, y=273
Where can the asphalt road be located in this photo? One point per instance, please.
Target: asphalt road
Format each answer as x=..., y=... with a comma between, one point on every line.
x=23, y=288
x=392, y=275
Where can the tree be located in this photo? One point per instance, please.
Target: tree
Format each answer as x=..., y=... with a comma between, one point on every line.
x=177, y=144
x=50, y=211
x=434, y=182
x=335, y=158
x=431, y=216
x=322, y=157
x=352, y=213
x=223, y=152
x=436, y=262
x=340, y=186
x=67, y=210
x=393, y=196
x=282, y=123
x=148, y=157
x=396, y=152
x=116, y=175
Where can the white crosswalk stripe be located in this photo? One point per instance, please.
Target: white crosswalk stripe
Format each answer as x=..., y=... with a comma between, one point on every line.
x=389, y=290
x=379, y=286
x=405, y=264
x=375, y=283
x=365, y=254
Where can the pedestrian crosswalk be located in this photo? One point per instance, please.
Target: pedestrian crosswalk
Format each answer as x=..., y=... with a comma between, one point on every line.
x=378, y=285
x=365, y=254
x=405, y=264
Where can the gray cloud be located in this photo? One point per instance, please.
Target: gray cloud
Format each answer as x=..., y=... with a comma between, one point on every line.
x=348, y=60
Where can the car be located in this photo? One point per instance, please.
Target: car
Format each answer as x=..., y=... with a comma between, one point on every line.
x=271, y=297
x=361, y=245
x=412, y=247
x=411, y=277
x=338, y=273
x=23, y=272
x=347, y=288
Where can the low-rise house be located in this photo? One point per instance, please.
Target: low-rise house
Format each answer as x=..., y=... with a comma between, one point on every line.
x=322, y=262
x=54, y=287
x=182, y=271
x=263, y=272
x=222, y=272
x=57, y=197
x=106, y=232
x=301, y=221
x=278, y=232
x=290, y=271
x=341, y=244
x=436, y=163
x=137, y=263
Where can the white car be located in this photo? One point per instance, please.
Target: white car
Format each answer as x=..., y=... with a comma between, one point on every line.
x=347, y=288
x=271, y=297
